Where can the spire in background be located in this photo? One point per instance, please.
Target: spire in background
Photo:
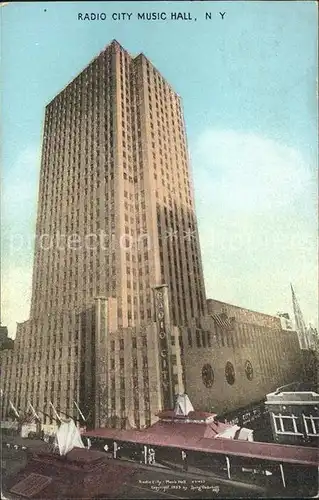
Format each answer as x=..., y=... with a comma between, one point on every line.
x=299, y=321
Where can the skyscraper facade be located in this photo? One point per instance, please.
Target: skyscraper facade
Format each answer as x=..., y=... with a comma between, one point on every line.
x=116, y=208
x=115, y=220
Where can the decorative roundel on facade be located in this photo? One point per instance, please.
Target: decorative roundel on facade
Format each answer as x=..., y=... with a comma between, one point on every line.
x=230, y=373
x=208, y=375
x=249, y=370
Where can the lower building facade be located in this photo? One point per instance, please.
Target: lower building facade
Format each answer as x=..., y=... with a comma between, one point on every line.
x=234, y=357
x=81, y=364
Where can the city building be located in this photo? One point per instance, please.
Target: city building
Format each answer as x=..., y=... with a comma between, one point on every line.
x=234, y=356
x=115, y=219
x=313, y=338
x=119, y=322
x=286, y=323
x=294, y=414
x=5, y=341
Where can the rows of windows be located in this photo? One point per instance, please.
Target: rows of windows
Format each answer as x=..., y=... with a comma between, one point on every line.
x=58, y=114
x=41, y=391
x=167, y=134
x=271, y=351
x=77, y=278
x=203, y=338
x=179, y=260
x=133, y=172
x=89, y=99
x=137, y=344
x=292, y=424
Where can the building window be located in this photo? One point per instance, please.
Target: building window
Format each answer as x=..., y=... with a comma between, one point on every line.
x=204, y=338
x=190, y=340
x=311, y=424
x=198, y=343
x=285, y=424
x=230, y=373
x=208, y=375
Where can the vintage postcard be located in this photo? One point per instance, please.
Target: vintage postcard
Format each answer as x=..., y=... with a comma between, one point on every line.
x=159, y=327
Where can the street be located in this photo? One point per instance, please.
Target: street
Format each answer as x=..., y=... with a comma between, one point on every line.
x=142, y=481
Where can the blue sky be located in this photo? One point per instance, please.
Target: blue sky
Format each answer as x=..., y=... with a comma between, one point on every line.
x=248, y=84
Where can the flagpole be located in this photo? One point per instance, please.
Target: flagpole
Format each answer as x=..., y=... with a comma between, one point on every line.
x=55, y=412
x=79, y=411
x=14, y=409
x=34, y=412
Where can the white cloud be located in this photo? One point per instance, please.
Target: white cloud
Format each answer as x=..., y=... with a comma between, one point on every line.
x=249, y=172
x=256, y=221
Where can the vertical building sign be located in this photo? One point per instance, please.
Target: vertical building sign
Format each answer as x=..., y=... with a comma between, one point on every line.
x=164, y=344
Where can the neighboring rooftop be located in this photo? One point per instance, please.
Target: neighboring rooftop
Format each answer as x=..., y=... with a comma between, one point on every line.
x=5, y=341
x=297, y=387
x=297, y=392
x=242, y=315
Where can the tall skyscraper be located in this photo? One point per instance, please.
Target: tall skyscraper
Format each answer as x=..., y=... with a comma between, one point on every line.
x=117, y=261
x=116, y=209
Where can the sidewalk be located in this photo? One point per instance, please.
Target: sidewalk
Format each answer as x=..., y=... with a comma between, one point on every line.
x=172, y=469
x=31, y=444
x=196, y=473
